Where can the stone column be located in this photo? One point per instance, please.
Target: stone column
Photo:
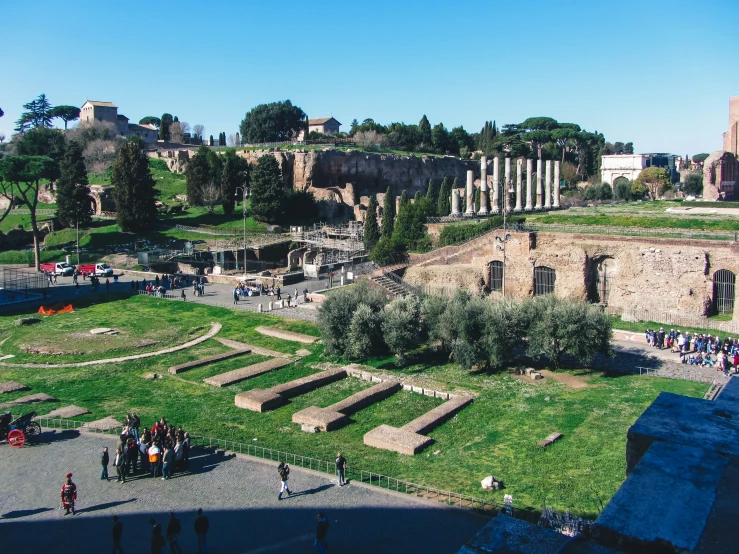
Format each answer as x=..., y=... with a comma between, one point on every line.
x=519, y=184
x=529, y=192
x=455, y=203
x=470, y=193
x=538, y=185
x=556, y=184
x=507, y=185
x=548, y=186
x=483, y=186
x=496, y=184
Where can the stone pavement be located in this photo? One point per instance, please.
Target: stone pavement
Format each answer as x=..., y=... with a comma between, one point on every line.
x=238, y=495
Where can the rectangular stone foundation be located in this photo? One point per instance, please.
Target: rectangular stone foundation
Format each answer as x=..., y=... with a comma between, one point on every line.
x=409, y=439
x=286, y=335
x=259, y=400
x=335, y=416
x=205, y=361
x=244, y=373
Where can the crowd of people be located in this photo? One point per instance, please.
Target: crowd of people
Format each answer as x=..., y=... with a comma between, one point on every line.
x=698, y=349
x=244, y=289
x=160, y=451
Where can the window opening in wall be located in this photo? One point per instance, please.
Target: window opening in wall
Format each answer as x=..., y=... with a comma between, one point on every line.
x=544, y=278
x=496, y=276
x=724, y=290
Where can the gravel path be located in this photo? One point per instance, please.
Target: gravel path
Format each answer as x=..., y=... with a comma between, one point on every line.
x=238, y=495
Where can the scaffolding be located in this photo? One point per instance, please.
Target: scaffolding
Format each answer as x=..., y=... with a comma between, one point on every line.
x=23, y=279
x=333, y=244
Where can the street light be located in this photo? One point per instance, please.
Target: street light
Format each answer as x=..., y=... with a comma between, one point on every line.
x=243, y=206
x=506, y=236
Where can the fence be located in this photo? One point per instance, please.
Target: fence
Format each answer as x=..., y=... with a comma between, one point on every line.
x=672, y=319
x=23, y=211
x=630, y=231
x=316, y=464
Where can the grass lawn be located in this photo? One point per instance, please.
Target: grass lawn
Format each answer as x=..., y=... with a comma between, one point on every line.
x=641, y=326
x=496, y=435
x=648, y=222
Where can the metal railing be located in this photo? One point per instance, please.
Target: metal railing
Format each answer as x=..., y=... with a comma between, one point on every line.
x=630, y=231
x=361, y=475
x=673, y=319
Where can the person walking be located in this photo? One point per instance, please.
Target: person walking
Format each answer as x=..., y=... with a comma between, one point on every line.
x=68, y=495
x=277, y=293
x=340, y=468
x=168, y=460
x=321, y=530
x=284, y=471
x=105, y=460
x=235, y=294
x=157, y=540
x=201, y=526
x=117, y=535
x=182, y=295
x=173, y=534
x=120, y=464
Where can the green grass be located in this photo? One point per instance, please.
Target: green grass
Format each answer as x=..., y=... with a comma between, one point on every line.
x=711, y=204
x=647, y=222
x=12, y=221
x=496, y=435
x=641, y=326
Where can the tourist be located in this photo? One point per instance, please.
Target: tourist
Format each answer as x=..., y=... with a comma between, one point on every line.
x=157, y=540
x=119, y=463
x=107, y=285
x=340, y=468
x=154, y=459
x=321, y=530
x=132, y=454
x=68, y=495
x=105, y=460
x=182, y=295
x=168, y=460
x=236, y=295
x=173, y=534
x=117, y=535
x=178, y=454
x=284, y=471
x=135, y=425
x=186, y=451
x=201, y=530
x=144, y=451
x=277, y=293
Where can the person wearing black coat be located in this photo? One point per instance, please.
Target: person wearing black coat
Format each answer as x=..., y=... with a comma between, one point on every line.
x=104, y=461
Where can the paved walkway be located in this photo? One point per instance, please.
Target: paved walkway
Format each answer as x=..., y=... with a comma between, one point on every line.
x=238, y=495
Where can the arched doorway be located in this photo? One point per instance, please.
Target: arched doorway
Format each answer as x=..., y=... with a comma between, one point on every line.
x=619, y=180
x=544, y=279
x=724, y=290
x=496, y=276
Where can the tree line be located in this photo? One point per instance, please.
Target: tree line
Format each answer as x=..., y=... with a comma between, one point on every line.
x=358, y=323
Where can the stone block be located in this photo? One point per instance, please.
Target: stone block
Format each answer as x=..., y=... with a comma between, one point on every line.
x=323, y=419
x=666, y=500
x=259, y=308
x=30, y=399
x=397, y=440
x=419, y=390
x=248, y=372
x=259, y=400
x=106, y=424
x=362, y=399
x=431, y=393
x=550, y=439
x=376, y=379
x=407, y=387
x=442, y=395
x=67, y=412
x=286, y=335
x=437, y=416
x=209, y=360
x=12, y=386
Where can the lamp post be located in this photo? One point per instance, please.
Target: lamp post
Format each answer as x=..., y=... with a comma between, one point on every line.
x=506, y=236
x=243, y=207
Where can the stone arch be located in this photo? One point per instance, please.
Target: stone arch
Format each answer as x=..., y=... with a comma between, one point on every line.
x=544, y=280
x=724, y=291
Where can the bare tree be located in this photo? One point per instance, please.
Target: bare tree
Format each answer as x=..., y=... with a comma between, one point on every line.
x=175, y=132
x=233, y=140
x=185, y=127
x=211, y=196
x=100, y=154
x=369, y=139
x=198, y=129
x=2, y=138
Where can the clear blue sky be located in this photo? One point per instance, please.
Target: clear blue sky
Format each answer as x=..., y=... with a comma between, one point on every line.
x=658, y=73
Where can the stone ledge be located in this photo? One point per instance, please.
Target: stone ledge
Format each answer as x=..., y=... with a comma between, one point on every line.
x=68, y=412
x=30, y=399
x=259, y=400
x=12, y=386
x=335, y=416
x=107, y=423
x=205, y=361
x=437, y=416
x=286, y=335
x=396, y=440
x=244, y=373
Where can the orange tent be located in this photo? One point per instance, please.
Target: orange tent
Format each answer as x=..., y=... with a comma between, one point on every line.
x=55, y=309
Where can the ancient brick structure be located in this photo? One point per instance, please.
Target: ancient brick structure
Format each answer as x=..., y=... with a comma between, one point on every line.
x=720, y=175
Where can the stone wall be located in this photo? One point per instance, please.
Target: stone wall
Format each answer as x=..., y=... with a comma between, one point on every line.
x=652, y=274
x=720, y=176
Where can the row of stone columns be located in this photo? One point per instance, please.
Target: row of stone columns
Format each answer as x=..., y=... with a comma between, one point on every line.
x=545, y=199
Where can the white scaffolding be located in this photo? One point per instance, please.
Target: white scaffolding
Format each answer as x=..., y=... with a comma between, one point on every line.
x=334, y=244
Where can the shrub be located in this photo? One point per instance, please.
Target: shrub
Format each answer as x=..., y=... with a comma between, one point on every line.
x=454, y=233
x=401, y=324
x=365, y=334
x=693, y=184
x=622, y=190
x=388, y=251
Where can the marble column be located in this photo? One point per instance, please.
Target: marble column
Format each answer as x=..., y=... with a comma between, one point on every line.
x=519, y=184
x=507, y=185
x=483, y=186
x=548, y=186
x=496, y=185
x=455, y=203
x=529, y=192
x=538, y=185
x=555, y=203
x=470, y=193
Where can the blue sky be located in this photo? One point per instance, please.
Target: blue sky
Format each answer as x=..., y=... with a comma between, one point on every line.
x=658, y=73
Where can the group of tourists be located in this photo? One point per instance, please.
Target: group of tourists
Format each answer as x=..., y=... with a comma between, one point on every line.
x=159, y=539
x=159, y=451
x=698, y=349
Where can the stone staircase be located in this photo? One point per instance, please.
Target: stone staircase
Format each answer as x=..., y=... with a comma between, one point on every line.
x=393, y=288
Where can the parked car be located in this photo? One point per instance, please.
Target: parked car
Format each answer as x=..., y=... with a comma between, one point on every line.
x=57, y=268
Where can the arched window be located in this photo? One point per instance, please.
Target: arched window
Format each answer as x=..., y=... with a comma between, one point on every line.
x=724, y=289
x=496, y=276
x=544, y=278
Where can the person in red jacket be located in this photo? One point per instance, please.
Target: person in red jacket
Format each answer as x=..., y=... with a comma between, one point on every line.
x=68, y=495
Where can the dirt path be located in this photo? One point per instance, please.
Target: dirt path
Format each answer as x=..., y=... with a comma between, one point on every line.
x=571, y=381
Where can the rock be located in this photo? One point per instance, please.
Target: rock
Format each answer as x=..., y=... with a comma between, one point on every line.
x=27, y=321
x=152, y=376
x=303, y=352
x=103, y=331
x=274, y=229
x=437, y=452
x=491, y=483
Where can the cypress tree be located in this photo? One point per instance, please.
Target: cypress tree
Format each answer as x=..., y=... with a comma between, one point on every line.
x=444, y=206
x=211, y=142
x=371, y=229
x=197, y=175
x=404, y=200
x=134, y=192
x=477, y=199
x=432, y=193
x=424, y=131
x=417, y=196
x=73, y=200
x=388, y=213
x=267, y=190
x=164, y=125
x=232, y=176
